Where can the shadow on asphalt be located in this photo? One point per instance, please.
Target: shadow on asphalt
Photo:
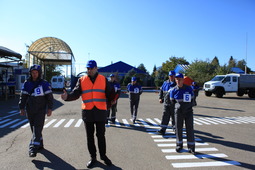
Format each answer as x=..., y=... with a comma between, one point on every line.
x=220, y=108
x=208, y=137
x=55, y=162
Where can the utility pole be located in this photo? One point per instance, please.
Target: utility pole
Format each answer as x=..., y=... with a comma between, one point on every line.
x=246, y=53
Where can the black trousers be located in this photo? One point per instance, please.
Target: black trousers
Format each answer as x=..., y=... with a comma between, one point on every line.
x=100, y=133
x=36, y=121
x=114, y=110
x=184, y=115
x=134, y=108
x=168, y=113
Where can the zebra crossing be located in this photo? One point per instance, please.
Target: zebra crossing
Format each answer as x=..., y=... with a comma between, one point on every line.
x=9, y=122
x=206, y=156
x=167, y=144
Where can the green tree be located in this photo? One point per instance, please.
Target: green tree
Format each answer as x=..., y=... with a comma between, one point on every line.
x=51, y=70
x=172, y=63
x=231, y=63
x=159, y=78
x=201, y=71
x=215, y=62
x=154, y=71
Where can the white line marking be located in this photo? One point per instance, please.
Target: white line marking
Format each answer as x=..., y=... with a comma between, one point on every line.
x=49, y=123
x=78, y=124
x=6, y=120
x=204, y=164
x=69, y=123
x=59, y=123
x=185, y=150
x=218, y=155
x=197, y=119
x=17, y=124
x=7, y=124
x=174, y=144
x=125, y=122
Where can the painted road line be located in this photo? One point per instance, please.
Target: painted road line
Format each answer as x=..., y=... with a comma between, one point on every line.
x=157, y=120
x=196, y=119
x=78, y=124
x=59, y=123
x=209, y=121
x=173, y=140
x=197, y=123
x=237, y=120
x=197, y=156
x=160, y=136
x=8, y=116
x=229, y=120
x=145, y=124
x=49, y=123
x=14, y=111
x=217, y=120
x=185, y=150
x=9, y=123
x=152, y=122
x=19, y=123
x=68, y=124
x=117, y=123
x=204, y=164
x=174, y=144
x=6, y=120
x=125, y=122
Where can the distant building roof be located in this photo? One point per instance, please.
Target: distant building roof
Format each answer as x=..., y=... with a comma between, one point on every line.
x=237, y=70
x=9, y=54
x=181, y=68
x=120, y=67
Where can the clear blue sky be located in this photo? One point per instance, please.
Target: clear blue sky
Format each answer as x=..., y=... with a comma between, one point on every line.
x=134, y=31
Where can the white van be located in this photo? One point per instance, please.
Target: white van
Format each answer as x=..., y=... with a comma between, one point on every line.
x=57, y=82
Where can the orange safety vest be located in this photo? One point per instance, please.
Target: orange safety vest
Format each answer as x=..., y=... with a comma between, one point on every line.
x=93, y=94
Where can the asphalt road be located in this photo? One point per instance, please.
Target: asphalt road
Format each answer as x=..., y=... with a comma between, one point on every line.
x=224, y=130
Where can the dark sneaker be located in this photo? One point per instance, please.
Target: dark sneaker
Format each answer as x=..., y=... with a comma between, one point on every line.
x=32, y=154
x=91, y=163
x=107, y=161
x=178, y=149
x=161, y=132
x=192, y=151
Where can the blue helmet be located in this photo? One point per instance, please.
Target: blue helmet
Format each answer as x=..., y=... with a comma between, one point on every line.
x=111, y=75
x=194, y=83
x=36, y=67
x=171, y=73
x=133, y=79
x=179, y=75
x=91, y=64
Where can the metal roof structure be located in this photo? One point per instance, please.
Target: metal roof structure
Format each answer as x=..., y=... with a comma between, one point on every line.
x=51, y=50
x=7, y=55
x=120, y=67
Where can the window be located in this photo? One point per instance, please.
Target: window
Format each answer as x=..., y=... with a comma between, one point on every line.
x=234, y=79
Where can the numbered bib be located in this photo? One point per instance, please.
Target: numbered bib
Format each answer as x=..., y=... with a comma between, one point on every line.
x=38, y=91
x=186, y=97
x=136, y=90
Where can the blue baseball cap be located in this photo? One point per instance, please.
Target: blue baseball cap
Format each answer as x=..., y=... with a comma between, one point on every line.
x=171, y=73
x=194, y=83
x=179, y=75
x=133, y=79
x=111, y=75
x=91, y=64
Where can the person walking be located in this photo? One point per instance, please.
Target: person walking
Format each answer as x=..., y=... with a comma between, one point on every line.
x=195, y=88
x=36, y=100
x=94, y=90
x=182, y=96
x=113, y=106
x=134, y=90
x=168, y=110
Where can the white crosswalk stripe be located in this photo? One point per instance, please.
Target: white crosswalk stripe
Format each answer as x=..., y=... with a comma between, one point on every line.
x=151, y=125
